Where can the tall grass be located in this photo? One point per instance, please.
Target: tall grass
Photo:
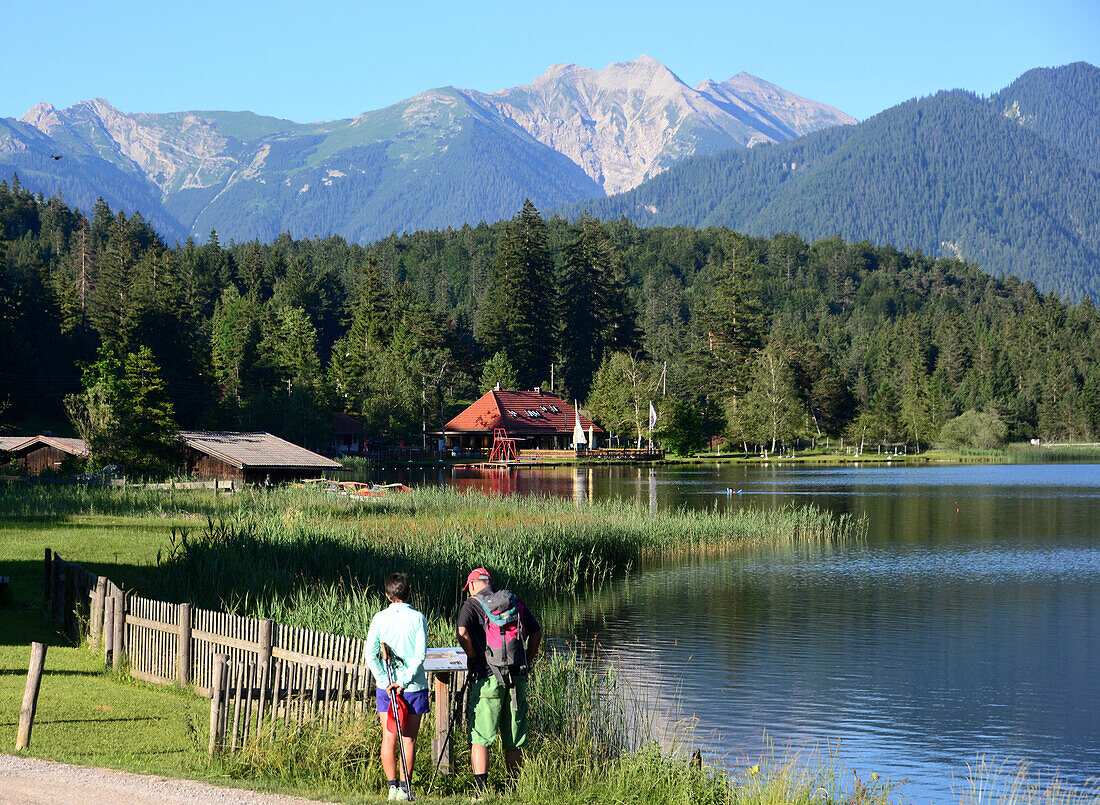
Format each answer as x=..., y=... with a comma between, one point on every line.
x=588, y=744
x=1058, y=454
x=322, y=564
x=1008, y=782
x=307, y=559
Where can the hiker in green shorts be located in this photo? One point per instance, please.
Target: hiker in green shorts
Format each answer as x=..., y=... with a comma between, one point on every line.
x=500, y=638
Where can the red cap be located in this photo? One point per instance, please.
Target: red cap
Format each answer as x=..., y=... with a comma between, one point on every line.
x=480, y=574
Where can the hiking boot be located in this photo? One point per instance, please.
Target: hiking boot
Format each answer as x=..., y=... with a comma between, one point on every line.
x=393, y=792
x=401, y=794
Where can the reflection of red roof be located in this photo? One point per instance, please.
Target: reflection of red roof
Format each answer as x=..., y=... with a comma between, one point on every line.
x=520, y=412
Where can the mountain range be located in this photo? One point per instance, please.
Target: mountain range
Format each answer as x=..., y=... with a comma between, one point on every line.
x=1011, y=182
x=444, y=157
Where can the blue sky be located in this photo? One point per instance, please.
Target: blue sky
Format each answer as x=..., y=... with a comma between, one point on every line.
x=326, y=60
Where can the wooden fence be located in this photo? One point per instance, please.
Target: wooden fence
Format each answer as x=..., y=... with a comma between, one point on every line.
x=254, y=671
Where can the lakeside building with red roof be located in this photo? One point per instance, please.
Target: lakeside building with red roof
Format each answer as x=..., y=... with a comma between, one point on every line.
x=535, y=419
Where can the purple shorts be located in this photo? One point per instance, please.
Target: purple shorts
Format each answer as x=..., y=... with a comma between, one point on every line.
x=417, y=701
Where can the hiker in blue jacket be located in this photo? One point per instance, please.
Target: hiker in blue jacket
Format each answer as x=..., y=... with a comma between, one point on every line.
x=405, y=633
x=498, y=683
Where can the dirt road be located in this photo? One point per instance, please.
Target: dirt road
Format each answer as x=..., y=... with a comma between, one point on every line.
x=28, y=781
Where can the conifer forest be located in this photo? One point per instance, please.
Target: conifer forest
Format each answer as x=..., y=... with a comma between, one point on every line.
x=758, y=341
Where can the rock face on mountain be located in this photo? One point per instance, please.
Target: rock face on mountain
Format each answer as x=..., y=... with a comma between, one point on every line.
x=632, y=120
x=442, y=158
x=175, y=152
x=771, y=110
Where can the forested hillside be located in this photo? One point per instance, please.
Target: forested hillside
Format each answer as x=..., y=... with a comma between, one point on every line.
x=1060, y=104
x=760, y=340
x=1010, y=184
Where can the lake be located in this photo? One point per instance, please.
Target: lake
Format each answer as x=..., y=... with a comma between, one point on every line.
x=968, y=624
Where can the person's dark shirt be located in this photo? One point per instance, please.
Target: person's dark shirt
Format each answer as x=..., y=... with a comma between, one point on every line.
x=472, y=618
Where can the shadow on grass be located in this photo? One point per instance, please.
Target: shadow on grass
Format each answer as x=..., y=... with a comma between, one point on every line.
x=120, y=719
x=47, y=672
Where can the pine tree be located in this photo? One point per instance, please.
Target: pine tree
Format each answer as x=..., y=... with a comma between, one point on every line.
x=498, y=373
x=595, y=309
x=149, y=434
x=916, y=405
x=733, y=324
x=519, y=313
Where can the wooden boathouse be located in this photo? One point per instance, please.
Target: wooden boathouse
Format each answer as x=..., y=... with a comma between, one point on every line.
x=249, y=457
x=37, y=454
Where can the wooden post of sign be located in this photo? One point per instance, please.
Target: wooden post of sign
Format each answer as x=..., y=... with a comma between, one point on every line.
x=443, y=751
x=30, y=696
x=183, y=655
x=119, y=628
x=217, y=694
x=46, y=590
x=99, y=598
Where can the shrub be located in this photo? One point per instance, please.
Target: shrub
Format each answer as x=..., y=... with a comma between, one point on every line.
x=974, y=429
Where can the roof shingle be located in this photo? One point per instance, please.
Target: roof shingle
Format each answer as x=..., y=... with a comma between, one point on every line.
x=76, y=447
x=531, y=413
x=254, y=450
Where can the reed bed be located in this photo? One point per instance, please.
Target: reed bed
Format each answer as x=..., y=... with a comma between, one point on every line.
x=309, y=559
x=322, y=564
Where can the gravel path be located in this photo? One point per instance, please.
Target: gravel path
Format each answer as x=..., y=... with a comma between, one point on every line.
x=28, y=781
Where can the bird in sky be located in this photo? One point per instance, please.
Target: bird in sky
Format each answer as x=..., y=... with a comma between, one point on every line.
x=56, y=156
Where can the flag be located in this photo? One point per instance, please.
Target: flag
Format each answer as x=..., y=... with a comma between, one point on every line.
x=652, y=416
x=578, y=429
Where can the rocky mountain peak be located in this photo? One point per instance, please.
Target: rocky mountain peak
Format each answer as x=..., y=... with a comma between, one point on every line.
x=43, y=116
x=632, y=119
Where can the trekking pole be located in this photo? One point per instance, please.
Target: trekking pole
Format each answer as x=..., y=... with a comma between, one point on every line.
x=455, y=711
x=397, y=718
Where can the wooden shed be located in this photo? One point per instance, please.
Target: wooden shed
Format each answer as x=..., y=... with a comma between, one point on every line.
x=249, y=457
x=37, y=454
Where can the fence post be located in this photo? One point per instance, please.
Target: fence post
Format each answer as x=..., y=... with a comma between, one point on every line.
x=265, y=641
x=46, y=591
x=119, y=628
x=183, y=656
x=108, y=630
x=95, y=628
x=217, y=692
x=30, y=695
x=68, y=617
